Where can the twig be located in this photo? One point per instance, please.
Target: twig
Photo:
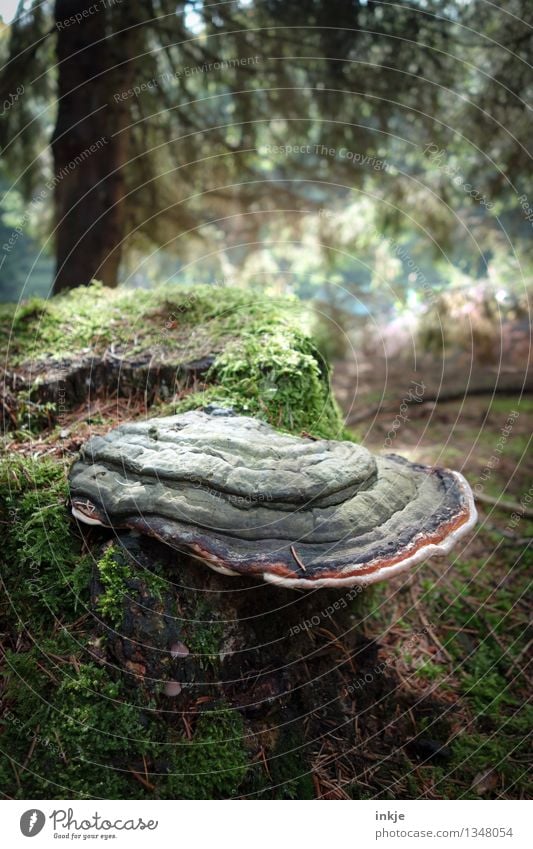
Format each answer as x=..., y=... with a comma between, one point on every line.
x=31, y=749
x=17, y=778
x=336, y=642
x=186, y=725
x=519, y=657
x=63, y=755
x=509, y=506
x=261, y=756
x=299, y=562
x=389, y=405
x=429, y=628
x=143, y=781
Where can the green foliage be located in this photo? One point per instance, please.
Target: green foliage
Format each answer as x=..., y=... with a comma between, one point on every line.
x=26, y=267
x=407, y=48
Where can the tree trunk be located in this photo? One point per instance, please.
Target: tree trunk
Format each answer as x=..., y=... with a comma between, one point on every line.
x=95, y=55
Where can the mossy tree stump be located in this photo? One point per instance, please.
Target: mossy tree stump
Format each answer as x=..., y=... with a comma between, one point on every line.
x=132, y=671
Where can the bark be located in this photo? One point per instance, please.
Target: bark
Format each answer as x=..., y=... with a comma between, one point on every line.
x=86, y=377
x=320, y=700
x=90, y=143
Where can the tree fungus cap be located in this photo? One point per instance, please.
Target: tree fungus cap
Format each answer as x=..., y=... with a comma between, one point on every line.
x=248, y=500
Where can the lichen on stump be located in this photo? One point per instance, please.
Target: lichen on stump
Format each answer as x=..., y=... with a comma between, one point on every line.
x=248, y=500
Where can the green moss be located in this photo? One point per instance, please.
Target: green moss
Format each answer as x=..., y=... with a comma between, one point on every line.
x=86, y=735
x=93, y=317
x=279, y=376
x=44, y=573
x=489, y=635
x=213, y=764
x=118, y=580
x=289, y=771
x=53, y=696
x=273, y=371
x=114, y=572
x=204, y=633
x=89, y=740
x=473, y=753
x=431, y=671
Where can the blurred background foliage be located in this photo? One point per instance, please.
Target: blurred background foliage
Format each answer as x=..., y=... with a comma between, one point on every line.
x=371, y=156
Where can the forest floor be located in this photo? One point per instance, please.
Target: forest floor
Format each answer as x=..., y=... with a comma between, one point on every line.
x=455, y=633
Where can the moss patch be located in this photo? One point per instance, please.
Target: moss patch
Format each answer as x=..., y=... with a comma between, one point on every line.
x=45, y=574
x=93, y=317
x=214, y=763
x=115, y=574
x=87, y=741
x=266, y=362
x=278, y=377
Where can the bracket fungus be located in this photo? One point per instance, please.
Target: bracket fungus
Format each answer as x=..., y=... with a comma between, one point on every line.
x=248, y=500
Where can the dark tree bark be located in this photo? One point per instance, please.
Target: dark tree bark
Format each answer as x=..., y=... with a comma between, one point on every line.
x=95, y=57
